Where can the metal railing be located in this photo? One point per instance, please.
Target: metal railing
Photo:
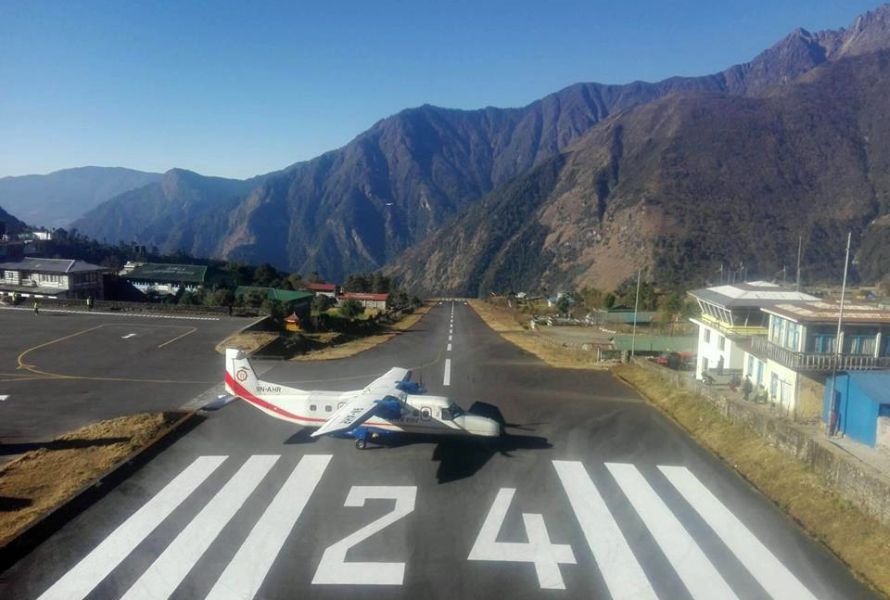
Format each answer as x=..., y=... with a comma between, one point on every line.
x=735, y=330
x=810, y=361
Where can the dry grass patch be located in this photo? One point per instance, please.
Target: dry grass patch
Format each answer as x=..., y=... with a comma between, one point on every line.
x=353, y=347
x=43, y=479
x=508, y=323
x=248, y=341
x=857, y=539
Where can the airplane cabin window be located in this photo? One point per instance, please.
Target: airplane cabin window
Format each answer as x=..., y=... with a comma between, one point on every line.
x=313, y=407
x=327, y=408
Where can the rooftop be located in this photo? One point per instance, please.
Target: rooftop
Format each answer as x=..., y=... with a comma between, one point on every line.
x=273, y=293
x=754, y=294
x=829, y=312
x=168, y=273
x=364, y=296
x=321, y=287
x=51, y=265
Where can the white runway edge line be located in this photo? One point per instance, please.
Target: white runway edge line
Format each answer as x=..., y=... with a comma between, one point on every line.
x=619, y=567
x=694, y=569
x=447, y=378
x=170, y=568
x=89, y=572
x=248, y=568
x=763, y=565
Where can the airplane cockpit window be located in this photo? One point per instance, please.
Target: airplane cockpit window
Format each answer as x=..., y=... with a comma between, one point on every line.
x=451, y=412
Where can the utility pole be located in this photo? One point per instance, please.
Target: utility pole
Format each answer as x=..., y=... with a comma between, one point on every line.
x=633, y=337
x=832, y=415
x=797, y=272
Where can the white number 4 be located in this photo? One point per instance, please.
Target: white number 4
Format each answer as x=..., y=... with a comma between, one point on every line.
x=538, y=550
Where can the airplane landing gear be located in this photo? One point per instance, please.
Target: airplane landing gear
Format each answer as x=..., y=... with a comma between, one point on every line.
x=361, y=444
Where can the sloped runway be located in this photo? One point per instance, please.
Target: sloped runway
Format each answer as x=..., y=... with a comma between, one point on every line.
x=592, y=494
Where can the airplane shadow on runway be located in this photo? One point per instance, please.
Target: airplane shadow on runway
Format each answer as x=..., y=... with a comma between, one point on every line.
x=461, y=457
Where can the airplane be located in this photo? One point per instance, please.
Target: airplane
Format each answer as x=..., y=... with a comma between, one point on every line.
x=391, y=404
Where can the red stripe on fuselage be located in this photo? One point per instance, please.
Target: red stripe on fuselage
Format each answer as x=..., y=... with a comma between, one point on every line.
x=244, y=394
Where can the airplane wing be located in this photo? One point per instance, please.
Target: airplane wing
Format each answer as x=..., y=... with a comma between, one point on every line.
x=362, y=406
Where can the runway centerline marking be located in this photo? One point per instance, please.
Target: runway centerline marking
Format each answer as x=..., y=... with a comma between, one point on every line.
x=763, y=565
x=128, y=336
x=170, y=568
x=4, y=397
x=447, y=378
x=91, y=570
x=448, y=349
x=246, y=572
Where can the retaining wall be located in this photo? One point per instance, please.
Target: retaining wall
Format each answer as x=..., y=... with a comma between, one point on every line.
x=861, y=484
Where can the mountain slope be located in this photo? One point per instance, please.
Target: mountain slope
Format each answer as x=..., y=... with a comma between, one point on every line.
x=359, y=207
x=681, y=186
x=57, y=199
x=179, y=211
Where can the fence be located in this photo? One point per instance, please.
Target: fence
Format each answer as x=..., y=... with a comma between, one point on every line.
x=860, y=483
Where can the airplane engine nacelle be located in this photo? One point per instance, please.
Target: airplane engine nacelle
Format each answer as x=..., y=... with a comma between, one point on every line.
x=411, y=387
x=389, y=408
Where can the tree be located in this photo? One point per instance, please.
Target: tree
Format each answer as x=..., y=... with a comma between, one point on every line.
x=321, y=303
x=563, y=304
x=609, y=300
x=351, y=309
x=264, y=275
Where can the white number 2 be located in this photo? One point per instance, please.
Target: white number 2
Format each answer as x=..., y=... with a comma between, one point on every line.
x=538, y=550
x=333, y=567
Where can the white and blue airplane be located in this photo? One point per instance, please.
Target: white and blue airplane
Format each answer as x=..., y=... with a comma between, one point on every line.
x=390, y=404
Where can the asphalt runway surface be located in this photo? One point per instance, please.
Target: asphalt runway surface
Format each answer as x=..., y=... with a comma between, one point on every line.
x=61, y=370
x=592, y=494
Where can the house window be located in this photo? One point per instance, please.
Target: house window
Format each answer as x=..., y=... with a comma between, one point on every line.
x=750, y=369
x=707, y=336
x=861, y=344
x=721, y=342
x=823, y=343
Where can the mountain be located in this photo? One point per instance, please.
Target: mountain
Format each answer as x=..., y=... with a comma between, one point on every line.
x=181, y=210
x=399, y=183
x=683, y=185
x=57, y=199
x=10, y=223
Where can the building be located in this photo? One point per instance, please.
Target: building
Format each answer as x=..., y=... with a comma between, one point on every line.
x=322, y=289
x=51, y=278
x=731, y=314
x=862, y=404
x=376, y=301
x=163, y=278
x=796, y=353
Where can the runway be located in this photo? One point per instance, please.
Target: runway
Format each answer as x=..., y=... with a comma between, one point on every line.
x=592, y=494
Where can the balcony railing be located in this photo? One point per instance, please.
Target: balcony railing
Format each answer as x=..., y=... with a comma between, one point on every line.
x=734, y=330
x=808, y=361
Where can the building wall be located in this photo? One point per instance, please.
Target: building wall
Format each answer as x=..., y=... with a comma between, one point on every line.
x=810, y=395
x=883, y=428
x=781, y=385
x=857, y=413
x=709, y=351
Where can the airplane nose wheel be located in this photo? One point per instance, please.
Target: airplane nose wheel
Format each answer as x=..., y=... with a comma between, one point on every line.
x=361, y=444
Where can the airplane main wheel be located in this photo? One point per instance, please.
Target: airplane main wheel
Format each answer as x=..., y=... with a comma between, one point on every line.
x=361, y=444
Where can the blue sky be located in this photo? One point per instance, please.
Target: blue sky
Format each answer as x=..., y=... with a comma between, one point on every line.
x=236, y=88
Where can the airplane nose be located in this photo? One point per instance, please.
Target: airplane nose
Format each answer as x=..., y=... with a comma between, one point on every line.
x=484, y=426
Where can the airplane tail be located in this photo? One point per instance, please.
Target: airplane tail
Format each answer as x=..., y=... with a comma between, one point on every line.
x=239, y=373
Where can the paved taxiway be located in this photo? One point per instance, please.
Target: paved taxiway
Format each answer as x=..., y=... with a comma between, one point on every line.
x=617, y=501
x=61, y=370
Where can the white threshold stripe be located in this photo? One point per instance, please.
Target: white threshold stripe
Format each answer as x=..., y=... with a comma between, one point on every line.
x=616, y=562
x=248, y=568
x=170, y=568
x=696, y=572
x=447, y=379
x=769, y=572
x=89, y=572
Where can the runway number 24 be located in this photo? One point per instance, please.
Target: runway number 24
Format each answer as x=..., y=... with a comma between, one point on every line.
x=333, y=567
x=538, y=550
